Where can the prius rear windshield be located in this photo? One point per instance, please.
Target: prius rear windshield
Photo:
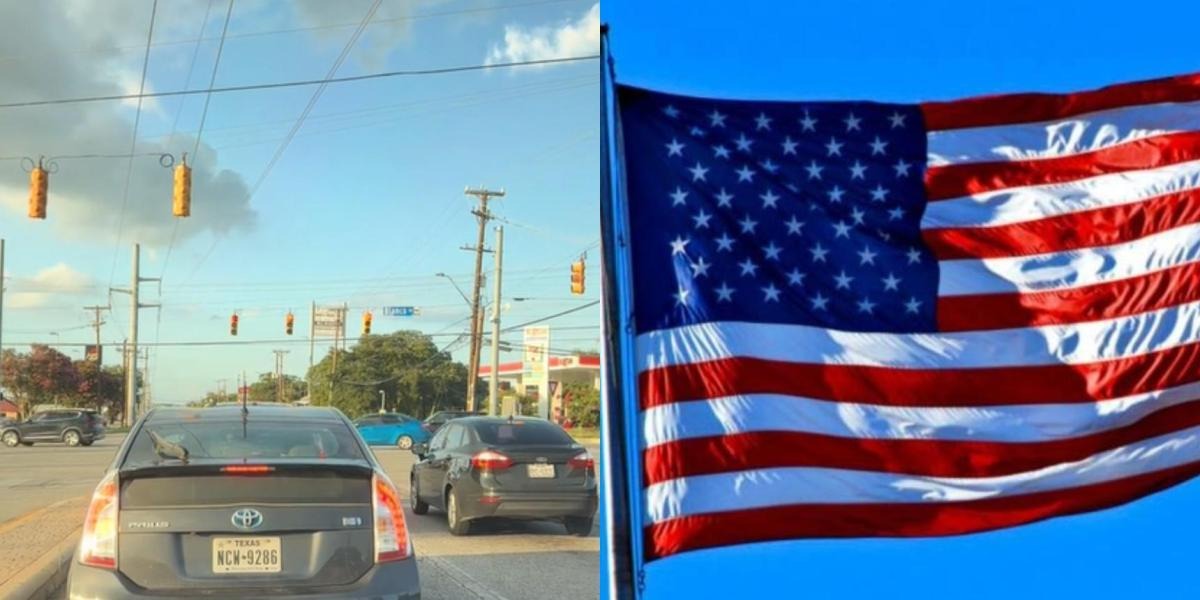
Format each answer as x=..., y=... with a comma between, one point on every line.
x=258, y=439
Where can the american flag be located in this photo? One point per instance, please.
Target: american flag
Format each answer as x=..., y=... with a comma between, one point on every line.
x=863, y=319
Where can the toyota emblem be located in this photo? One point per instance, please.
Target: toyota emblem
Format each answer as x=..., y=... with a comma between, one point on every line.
x=247, y=518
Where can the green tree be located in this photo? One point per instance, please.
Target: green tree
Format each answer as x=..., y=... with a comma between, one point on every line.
x=43, y=376
x=213, y=399
x=583, y=405
x=100, y=388
x=264, y=389
x=416, y=377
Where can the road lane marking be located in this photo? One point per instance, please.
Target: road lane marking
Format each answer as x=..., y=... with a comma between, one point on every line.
x=463, y=579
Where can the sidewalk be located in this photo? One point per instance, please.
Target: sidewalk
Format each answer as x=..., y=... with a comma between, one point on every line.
x=35, y=544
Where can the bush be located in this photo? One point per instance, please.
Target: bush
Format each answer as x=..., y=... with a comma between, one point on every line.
x=583, y=405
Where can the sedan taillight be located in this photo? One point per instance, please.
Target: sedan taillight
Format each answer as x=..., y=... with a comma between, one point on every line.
x=391, y=533
x=98, y=544
x=490, y=460
x=583, y=460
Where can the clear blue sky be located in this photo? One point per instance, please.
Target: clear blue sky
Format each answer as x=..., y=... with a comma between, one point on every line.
x=908, y=52
x=365, y=205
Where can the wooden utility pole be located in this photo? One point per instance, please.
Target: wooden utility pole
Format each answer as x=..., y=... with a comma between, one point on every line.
x=131, y=381
x=279, y=384
x=482, y=216
x=96, y=323
x=494, y=383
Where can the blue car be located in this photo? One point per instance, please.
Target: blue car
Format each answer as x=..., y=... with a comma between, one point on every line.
x=392, y=429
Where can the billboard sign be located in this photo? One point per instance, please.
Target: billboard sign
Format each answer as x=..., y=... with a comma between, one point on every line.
x=329, y=321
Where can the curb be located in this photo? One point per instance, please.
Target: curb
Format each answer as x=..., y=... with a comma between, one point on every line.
x=44, y=576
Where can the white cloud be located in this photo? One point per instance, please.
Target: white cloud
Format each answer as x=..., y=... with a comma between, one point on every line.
x=573, y=38
x=49, y=283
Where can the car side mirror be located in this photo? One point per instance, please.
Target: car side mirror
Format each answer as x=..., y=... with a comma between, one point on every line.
x=420, y=449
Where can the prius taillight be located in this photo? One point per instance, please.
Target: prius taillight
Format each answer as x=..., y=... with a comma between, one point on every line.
x=98, y=544
x=391, y=533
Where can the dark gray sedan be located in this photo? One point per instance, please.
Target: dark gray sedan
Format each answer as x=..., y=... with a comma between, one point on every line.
x=236, y=502
x=480, y=467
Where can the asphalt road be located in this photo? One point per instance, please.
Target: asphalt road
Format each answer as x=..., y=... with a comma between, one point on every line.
x=499, y=561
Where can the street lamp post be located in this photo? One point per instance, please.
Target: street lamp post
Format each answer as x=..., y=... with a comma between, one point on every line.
x=382, y=400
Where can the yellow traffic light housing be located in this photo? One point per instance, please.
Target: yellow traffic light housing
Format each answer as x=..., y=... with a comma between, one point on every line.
x=577, y=277
x=181, y=205
x=366, y=322
x=39, y=184
x=288, y=322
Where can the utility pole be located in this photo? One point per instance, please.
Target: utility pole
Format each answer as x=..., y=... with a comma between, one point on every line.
x=96, y=323
x=494, y=388
x=312, y=346
x=131, y=385
x=144, y=405
x=279, y=385
x=483, y=216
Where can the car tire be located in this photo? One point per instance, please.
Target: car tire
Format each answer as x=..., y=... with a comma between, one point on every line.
x=404, y=442
x=418, y=507
x=454, y=520
x=71, y=438
x=11, y=439
x=580, y=526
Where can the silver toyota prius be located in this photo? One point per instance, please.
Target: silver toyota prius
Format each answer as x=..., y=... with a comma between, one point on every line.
x=244, y=502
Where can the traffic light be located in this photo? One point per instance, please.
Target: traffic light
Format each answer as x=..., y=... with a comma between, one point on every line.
x=39, y=182
x=182, y=197
x=288, y=322
x=577, y=277
x=233, y=321
x=366, y=322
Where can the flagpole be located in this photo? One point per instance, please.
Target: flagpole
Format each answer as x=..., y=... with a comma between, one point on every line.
x=620, y=510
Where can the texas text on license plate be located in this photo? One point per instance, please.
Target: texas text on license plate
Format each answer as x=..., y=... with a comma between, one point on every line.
x=246, y=555
x=539, y=471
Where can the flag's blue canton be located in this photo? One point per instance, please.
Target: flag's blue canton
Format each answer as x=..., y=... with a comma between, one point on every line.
x=803, y=213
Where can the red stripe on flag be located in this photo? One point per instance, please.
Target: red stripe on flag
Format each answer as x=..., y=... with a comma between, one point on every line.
x=1097, y=227
x=1027, y=108
x=954, y=181
x=1039, y=384
x=696, y=532
x=934, y=458
x=1108, y=300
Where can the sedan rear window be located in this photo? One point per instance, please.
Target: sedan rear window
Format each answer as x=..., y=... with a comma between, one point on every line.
x=518, y=433
x=259, y=440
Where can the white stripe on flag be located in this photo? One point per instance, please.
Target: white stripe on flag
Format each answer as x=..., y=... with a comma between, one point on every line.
x=1077, y=343
x=751, y=413
x=1035, y=202
x=762, y=488
x=1071, y=268
x=1060, y=137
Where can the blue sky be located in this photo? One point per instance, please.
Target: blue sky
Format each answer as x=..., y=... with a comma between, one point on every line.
x=908, y=52
x=363, y=207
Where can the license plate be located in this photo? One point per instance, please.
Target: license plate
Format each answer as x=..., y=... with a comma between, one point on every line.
x=246, y=555
x=541, y=471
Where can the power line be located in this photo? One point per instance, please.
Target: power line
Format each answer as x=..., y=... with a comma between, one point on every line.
x=133, y=142
x=308, y=82
x=553, y=316
x=212, y=80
